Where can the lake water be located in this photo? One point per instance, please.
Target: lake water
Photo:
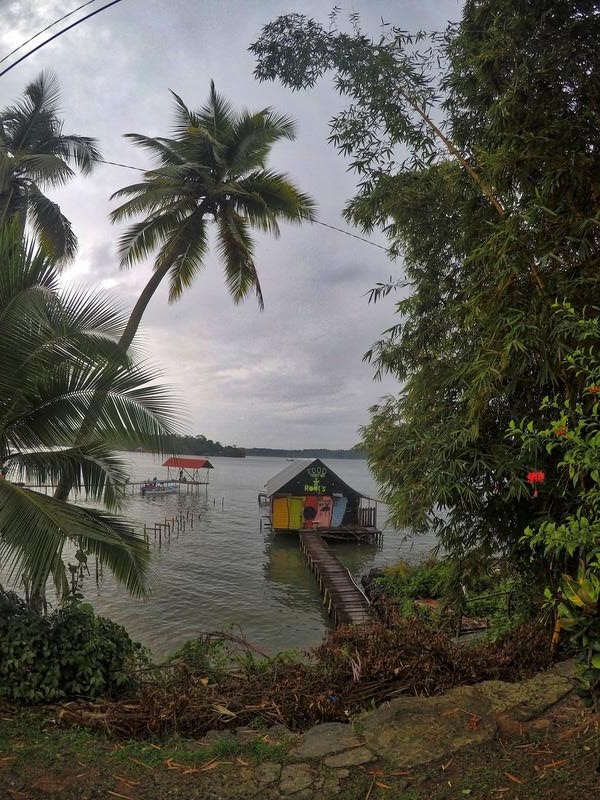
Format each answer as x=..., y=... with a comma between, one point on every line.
x=225, y=573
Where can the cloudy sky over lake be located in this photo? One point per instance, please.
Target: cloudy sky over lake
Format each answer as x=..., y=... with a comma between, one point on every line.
x=291, y=376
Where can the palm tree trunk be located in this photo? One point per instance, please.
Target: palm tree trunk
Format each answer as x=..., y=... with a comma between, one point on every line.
x=65, y=484
x=139, y=308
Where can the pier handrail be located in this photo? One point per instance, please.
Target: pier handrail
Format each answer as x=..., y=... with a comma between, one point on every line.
x=360, y=589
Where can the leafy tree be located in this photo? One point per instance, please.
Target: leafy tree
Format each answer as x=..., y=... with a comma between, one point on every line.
x=569, y=450
x=478, y=154
x=212, y=169
x=56, y=349
x=35, y=153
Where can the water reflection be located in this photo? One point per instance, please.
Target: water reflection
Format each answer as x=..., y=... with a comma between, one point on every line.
x=294, y=583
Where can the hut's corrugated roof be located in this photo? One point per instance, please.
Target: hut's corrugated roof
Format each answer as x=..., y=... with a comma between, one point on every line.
x=287, y=473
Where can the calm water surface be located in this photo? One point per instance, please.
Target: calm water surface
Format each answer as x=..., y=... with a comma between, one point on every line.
x=227, y=573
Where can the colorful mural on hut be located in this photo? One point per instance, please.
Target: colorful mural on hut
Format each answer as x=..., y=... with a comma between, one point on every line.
x=308, y=494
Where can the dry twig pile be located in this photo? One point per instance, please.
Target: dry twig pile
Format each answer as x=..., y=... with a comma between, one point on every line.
x=353, y=669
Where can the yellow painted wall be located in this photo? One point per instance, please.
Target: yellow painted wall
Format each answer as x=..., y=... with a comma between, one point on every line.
x=280, y=516
x=296, y=507
x=287, y=513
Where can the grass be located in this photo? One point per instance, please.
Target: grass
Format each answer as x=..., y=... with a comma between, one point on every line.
x=39, y=759
x=33, y=732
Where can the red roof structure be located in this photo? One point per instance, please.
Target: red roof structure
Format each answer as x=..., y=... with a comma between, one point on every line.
x=188, y=462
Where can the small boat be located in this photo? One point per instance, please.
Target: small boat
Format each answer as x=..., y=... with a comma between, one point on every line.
x=158, y=487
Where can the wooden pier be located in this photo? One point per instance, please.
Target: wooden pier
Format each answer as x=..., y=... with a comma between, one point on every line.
x=345, y=601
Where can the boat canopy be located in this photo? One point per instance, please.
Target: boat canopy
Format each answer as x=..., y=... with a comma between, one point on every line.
x=188, y=462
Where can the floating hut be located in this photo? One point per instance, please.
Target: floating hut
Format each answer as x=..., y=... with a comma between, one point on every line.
x=307, y=494
x=189, y=469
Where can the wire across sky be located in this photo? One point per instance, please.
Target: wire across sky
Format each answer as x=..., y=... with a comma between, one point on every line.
x=116, y=163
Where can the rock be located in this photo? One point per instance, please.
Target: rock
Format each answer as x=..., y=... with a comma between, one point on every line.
x=193, y=745
x=267, y=772
x=268, y=793
x=278, y=732
x=331, y=784
x=409, y=731
x=350, y=758
x=211, y=736
x=564, y=668
x=322, y=740
x=528, y=699
x=247, y=734
x=303, y=794
x=296, y=778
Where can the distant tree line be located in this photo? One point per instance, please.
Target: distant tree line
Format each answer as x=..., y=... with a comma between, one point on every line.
x=201, y=446
x=311, y=453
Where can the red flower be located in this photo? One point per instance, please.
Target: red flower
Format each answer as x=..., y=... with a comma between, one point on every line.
x=533, y=478
x=561, y=430
x=594, y=390
x=536, y=477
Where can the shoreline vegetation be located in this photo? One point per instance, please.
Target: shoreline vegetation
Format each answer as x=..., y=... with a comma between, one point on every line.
x=553, y=757
x=95, y=701
x=77, y=657
x=200, y=445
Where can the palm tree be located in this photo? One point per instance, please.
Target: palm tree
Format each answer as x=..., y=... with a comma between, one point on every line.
x=34, y=154
x=56, y=352
x=211, y=170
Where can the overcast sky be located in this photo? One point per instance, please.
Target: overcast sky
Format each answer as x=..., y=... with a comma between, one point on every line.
x=291, y=376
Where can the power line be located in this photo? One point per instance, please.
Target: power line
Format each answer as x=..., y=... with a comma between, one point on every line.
x=315, y=221
x=354, y=235
x=116, y=163
x=125, y=166
x=47, y=28
x=56, y=35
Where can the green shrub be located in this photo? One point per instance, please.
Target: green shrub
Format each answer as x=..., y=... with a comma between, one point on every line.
x=69, y=653
x=402, y=581
x=204, y=657
x=474, y=588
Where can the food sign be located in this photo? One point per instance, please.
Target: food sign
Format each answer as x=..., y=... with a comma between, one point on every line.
x=316, y=487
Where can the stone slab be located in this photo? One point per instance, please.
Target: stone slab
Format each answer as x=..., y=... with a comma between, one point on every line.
x=324, y=740
x=409, y=731
x=297, y=778
x=349, y=758
x=529, y=699
x=267, y=772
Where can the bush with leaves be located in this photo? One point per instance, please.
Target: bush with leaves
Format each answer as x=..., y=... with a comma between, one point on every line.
x=69, y=653
x=478, y=155
x=568, y=530
x=479, y=589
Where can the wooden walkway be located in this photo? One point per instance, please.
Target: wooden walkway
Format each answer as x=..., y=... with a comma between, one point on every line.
x=345, y=602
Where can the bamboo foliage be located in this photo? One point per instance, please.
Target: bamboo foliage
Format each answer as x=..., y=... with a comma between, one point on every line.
x=477, y=155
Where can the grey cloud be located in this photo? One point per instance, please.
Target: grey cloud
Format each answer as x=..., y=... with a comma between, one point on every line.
x=292, y=376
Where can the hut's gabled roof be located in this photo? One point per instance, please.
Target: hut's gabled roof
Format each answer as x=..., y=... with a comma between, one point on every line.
x=287, y=474
x=301, y=475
